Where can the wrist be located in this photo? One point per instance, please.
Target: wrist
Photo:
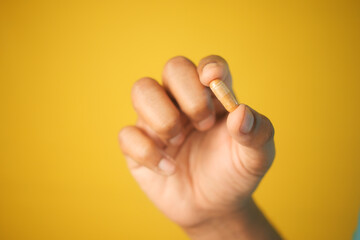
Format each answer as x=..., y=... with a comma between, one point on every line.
x=246, y=223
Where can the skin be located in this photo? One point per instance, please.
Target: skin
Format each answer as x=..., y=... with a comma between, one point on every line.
x=198, y=163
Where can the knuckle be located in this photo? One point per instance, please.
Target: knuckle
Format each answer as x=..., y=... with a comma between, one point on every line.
x=259, y=167
x=269, y=130
x=142, y=85
x=166, y=126
x=175, y=63
x=145, y=152
x=220, y=61
x=217, y=58
x=213, y=67
x=197, y=110
x=123, y=133
x=177, y=60
x=124, y=138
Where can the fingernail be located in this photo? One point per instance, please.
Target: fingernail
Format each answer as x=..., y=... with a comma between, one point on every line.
x=206, y=123
x=207, y=74
x=177, y=140
x=210, y=65
x=166, y=166
x=248, y=121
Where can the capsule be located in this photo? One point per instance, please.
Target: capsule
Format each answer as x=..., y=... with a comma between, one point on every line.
x=223, y=93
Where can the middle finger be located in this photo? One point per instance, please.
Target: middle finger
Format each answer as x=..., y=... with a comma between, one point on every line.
x=181, y=79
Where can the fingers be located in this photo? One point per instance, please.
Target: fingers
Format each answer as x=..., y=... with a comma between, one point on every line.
x=182, y=83
x=136, y=145
x=154, y=106
x=181, y=78
x=254, y=131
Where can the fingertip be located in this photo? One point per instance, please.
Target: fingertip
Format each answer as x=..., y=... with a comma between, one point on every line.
x=250, y=128
x=235, y=119
x=247, y=122
x=212, y=71
x=240, y=123
x=122, y=134
x=213, y=67
x=178, y=139
x=166, y=167
x=206, y=123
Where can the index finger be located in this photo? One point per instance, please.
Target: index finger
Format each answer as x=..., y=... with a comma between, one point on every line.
x=214, y=72
x=214, y=67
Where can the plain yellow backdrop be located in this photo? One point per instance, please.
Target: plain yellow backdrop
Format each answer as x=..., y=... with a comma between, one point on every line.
x=66, y=70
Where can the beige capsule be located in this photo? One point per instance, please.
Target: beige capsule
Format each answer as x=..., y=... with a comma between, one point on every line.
x=223, y=93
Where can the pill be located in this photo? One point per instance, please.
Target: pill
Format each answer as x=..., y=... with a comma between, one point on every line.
x=223, y=93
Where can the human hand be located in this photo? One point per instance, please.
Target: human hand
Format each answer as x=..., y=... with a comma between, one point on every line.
x=198, y=163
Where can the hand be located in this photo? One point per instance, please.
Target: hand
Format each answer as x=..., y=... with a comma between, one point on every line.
x=196, y=162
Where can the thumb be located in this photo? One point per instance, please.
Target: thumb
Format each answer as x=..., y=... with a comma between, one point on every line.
x=254, y=134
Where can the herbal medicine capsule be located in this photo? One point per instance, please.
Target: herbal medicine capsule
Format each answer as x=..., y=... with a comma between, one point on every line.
x=223, y=93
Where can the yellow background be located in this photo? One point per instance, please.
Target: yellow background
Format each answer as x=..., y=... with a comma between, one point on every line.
x=66, y=70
